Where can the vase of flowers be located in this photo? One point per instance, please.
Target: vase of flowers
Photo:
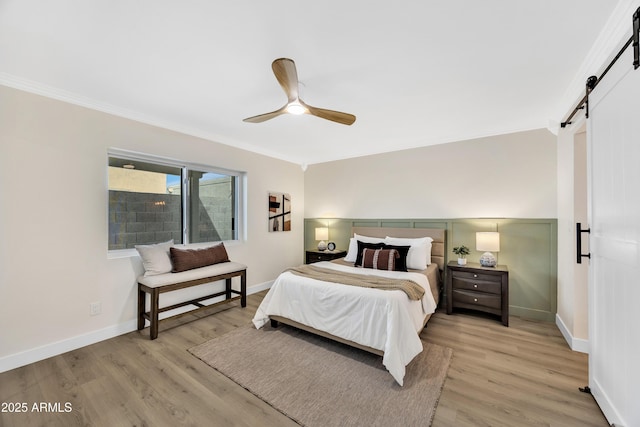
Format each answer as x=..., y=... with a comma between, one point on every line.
x=462, y=251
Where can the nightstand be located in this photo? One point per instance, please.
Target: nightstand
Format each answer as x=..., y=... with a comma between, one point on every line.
x=316, y=256
x=479, y=288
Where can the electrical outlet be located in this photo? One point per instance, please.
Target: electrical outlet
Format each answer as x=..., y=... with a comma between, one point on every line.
x=95, y=308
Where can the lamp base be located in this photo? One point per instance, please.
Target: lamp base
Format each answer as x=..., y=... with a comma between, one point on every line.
x=322, y=246
x=488, y=260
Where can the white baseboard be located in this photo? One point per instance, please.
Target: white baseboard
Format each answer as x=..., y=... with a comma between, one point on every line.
x=33, y=355
x=605, y=403
x=259, y=287
x=26, y=357
x=576, y=344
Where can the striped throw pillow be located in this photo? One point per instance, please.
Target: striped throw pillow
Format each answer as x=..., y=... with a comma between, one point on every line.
x=379, y=259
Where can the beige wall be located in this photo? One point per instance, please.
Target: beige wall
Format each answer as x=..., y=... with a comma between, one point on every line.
x=53, y=251
x=581, y=325
x=572, y=317
x=511, y=176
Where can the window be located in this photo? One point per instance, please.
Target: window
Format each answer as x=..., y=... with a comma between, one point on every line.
x=154, y=200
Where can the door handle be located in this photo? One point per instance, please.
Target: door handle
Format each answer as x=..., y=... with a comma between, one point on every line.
x=579, y=254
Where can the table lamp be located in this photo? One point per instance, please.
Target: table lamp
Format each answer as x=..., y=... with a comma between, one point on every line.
x=488, y=241
x=322, y=234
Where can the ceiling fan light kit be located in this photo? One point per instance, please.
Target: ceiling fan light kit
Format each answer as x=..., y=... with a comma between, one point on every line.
x=296, y=108
x=285, y=71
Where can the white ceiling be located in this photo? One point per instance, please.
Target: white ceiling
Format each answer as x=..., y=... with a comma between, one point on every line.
x=414, y=72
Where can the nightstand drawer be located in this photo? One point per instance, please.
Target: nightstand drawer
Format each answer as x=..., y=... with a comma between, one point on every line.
x=480, y=285
x=317, y=256
x=462, y=298
x=476, y=276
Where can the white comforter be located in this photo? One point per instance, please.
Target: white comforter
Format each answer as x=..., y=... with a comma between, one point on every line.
x=381, y=319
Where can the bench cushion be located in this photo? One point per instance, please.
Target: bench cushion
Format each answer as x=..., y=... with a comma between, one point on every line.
x=185, y=276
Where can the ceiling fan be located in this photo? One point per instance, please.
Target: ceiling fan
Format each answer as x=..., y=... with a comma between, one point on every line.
x=285, y=72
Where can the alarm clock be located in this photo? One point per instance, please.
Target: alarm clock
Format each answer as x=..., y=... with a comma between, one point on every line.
x=331, y=246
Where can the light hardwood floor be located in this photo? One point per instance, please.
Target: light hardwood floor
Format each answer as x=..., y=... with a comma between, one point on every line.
x=523, y=375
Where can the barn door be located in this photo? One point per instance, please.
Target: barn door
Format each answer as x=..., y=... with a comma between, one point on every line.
x=614, y=214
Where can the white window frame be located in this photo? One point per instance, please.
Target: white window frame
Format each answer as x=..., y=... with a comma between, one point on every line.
x=239, y=189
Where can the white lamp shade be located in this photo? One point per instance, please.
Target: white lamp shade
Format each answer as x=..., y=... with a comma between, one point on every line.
x=488, y=241
x=322, y=233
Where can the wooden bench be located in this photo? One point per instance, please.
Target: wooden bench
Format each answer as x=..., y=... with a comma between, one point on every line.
x=162, y=283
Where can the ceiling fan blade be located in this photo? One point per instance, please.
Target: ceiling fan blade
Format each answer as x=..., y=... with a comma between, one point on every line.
x=334, y=116
x=286, y=74
x=266, y=116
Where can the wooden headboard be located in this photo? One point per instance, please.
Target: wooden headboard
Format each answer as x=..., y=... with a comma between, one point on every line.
x=437, y=248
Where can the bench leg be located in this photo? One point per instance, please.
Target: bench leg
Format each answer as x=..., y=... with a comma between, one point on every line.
x=228, y=289
x=243, y=289
x=155, y=299
x=141, y=307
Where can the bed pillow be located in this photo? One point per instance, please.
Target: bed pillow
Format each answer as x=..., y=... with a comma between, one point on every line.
x=352, y=252
x=188, y=259
x=401, y=260
x=361, y=247
x=155, y=258
x=419, y=255
x=379, y=259
x=367, y=239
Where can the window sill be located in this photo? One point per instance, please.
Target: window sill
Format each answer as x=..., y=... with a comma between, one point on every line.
x=130, y=253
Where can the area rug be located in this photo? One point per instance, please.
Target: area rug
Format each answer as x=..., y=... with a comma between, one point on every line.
x=319, y=382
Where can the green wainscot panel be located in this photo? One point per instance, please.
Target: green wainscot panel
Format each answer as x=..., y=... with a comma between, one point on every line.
x=530, y=251
x=528, y=247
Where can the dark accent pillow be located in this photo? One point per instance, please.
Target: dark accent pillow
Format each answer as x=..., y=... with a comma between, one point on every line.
x=188, y=259
x=379, y=259
x=363, y=245
x=401, y=262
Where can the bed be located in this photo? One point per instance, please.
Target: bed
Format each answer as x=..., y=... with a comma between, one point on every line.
x=384, y=322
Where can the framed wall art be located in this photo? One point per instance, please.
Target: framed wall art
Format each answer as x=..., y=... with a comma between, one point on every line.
x=279, y=212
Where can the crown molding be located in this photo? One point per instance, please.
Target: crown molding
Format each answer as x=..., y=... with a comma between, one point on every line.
x=30, y=86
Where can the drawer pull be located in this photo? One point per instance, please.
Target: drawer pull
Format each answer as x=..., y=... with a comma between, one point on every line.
x=475, y=300
x=475, y=286
x=475, y=275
